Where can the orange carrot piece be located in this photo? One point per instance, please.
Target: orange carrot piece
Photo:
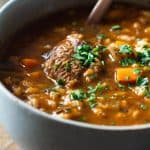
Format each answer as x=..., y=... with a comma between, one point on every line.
x=126, y=75
x=29, y=62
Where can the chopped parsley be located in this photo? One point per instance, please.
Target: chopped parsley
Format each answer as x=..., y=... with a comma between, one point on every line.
x=144, y=107
x=92, y=100
x=137, y=71
x=101, y=36
x=127, y=61
x=86, y=54
x=68, y=66
x=92, y=94
x=78, y=95
x=116, y=27
x=141, y=81
x=60, y=82
x=93, y=76
x=144, y=55
x=121, y=86
x=82, y=118
x=126, y=49
x=99, y=49
x=99, y=88
x=147, y=94
x=113, y=123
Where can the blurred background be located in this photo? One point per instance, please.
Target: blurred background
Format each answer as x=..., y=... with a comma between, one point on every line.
x=2, y=2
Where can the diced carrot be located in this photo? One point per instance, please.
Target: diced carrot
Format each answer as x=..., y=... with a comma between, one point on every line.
x=29, y=62
x=119, y=43
x=127, y=75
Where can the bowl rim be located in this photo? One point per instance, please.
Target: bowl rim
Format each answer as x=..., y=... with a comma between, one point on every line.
x=39, y=113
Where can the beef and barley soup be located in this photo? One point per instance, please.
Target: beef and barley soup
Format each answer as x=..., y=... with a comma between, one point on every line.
x=97, y=74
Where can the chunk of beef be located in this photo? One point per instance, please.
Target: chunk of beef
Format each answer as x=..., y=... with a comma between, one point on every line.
x=59, y=62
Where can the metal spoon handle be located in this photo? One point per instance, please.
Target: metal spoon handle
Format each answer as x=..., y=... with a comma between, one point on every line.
x=98, y=11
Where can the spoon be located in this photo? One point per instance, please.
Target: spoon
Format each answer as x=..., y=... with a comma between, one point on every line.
x=98, y=11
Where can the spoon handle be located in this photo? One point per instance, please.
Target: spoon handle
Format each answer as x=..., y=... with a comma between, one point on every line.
x=98, y=11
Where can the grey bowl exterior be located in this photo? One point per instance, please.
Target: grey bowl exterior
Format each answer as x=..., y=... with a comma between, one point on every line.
x=34, y=130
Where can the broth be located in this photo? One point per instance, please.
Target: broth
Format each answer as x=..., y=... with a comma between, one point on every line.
x=112, y=86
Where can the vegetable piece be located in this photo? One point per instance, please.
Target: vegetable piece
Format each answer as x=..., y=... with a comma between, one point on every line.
x=126, y=49
x=29, y=62
x=126, y=75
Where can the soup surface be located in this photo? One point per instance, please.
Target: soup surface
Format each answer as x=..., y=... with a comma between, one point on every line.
x=97, y=74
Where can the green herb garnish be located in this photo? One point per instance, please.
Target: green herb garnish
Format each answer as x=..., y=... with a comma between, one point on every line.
x=99, y=88
x=100, y=48
x=137, y=71
x=92, y=100
x=68, y=66
x=91, y=97
x=78, y=95
x=126, y=49
x=60, y=82
x=127, y=61
x=141, y=81
x=147, y=94
x=92, y=93
x=116, y=27
x=113, y=123
x=86, y=54
x=121, y=86
x=101, y=36
x=144, y=55
x=144, y=107
x=83, y=118
x=94, y=76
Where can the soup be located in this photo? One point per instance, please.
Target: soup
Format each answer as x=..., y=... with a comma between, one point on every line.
x=98, y=74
